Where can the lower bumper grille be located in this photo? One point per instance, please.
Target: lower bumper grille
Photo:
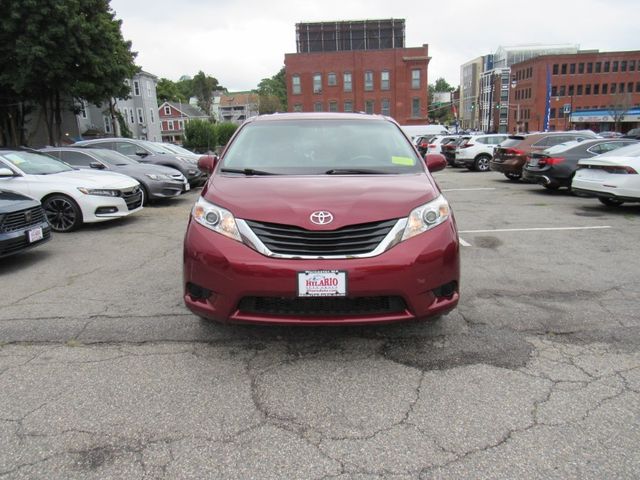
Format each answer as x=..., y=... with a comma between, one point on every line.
x=8, y=247
x=133, y=198
x=321, y=307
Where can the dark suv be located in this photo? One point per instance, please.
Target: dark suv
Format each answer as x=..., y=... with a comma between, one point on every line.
x=512, y=154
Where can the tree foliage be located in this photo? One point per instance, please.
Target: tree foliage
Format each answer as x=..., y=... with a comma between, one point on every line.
x=273, y=93
x=200, y=136
x=224, y=132
x=167, y=91
x=54, y=51
x=203, y=88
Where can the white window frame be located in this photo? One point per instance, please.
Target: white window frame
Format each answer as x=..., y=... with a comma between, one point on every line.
x=416, y=78
x=132, y=117
x=125, y=115
x=317, y=83
x=107, y=124
x=136, y=88
x=385, y=107
x=152, y=117
x=350, y=103
x=170, y=126
x=296, y=87
x=167, y=110
x=140, y=113
x=347, y=80
x=368, y=81
x=332, y=79
x=385, y=80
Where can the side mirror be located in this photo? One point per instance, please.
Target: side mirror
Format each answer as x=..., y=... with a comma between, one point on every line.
x=207, y=163
x=6, y=172
x=97, y=165
x=141, y=153
x=435, y=162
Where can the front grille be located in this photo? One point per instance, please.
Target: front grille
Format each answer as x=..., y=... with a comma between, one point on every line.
x=293, y=240
x=132, y=197
x=14, y=245
x=20, y=220
x=322, y=306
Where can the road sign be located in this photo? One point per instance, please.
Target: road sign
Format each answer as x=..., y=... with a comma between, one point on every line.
x=566, y=108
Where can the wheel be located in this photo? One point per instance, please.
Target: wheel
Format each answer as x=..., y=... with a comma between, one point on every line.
x=513, y=176
x=610, y=202
x=62, y=212
x=482, y=163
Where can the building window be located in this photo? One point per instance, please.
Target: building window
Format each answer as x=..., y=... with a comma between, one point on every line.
x=554, y=91
x=180, y=125
x=140, y=116
x=295, y=85
x=571, y=90
x=317, y=107
x=368, y=80
x=598, y=67
x=623, y=66
x=563, y=69
x=331, y=80
x=333, y=106
x=581, y=68
x=572, y=69
x=555, y=69
x=579, y=90
x=368, y=106
x=107, y=124
x=587, y=89
x=131, y=117
x=385, y=84
x=83, y=109
x=148, y=88
x=615, y=66
x=136, y=88
x=170, y=125
x=562, y=90
x=348, y=106
x=590, y=67
x=614, y=88
x=385, y=107
x=605, y=88
x=596, y=89
x=167, y=110
x=152, y=117
x=552, y=113
x=637, y=87
x=297, y=107
x=317, y=83
x=632, y=65
x=415, y=79
x=347, y=81
x=621, y=87
x=415, y=106
x=606, y=67
x=630, y=87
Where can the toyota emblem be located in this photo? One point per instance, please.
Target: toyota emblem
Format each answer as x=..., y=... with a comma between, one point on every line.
x=321, y=217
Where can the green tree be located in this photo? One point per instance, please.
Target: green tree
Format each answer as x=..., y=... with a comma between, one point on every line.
x=200, y=136
x=168, y=91
x=273, y=93
x=52, y=51
x=203, y=88
x=440, y=112
x=224, y=131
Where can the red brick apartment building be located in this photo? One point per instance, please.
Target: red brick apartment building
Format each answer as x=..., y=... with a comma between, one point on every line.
x=354, y=66
x=588, y=90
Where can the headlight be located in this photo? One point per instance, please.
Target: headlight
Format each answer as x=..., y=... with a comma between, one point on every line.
x=156, y=176
x=192, y=172
x=103, y=192
x=215, y=218
x=426, y=217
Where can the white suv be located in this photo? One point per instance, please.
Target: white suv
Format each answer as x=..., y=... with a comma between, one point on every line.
x=476, y=152
x=436, y=142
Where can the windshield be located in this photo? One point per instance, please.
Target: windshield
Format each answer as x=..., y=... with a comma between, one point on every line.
x=112, y=157
x=154, y=147
x=632, y=150
x=35, y=163
x=318, y=146
x=178, y=149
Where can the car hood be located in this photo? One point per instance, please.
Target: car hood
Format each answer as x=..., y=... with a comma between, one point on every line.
x=12, y=201
x=86, y=178
x=291, y=199
x=144, y=168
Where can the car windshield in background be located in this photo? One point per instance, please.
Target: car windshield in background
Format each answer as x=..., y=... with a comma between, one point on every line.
x=511, y=141
x=178, y=149
x=113, y=158
x=628, y=151
x=35, y=163
x=312, y=147
x=561, y=147
x=154, y=147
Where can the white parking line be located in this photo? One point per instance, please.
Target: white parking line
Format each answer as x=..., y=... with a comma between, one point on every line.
x=463, y=242
x=465, y=189
x=541, y=229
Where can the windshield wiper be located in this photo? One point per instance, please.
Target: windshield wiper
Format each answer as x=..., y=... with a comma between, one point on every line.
x=247, y=171
x=353, y=171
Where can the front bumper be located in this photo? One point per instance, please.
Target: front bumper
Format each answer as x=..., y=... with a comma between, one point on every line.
x=17, y=241
x=230, y=273
x=508, y=166
x=165, y=189
x=615, y=186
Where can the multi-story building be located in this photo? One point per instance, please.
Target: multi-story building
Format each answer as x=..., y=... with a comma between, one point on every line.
x=237, y=107
x=587, y=90
x=470, y=74
x=139, y=111
x=353, y=66
x=173, y=118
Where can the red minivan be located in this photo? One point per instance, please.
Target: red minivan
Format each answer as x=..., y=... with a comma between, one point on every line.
x=321, y=219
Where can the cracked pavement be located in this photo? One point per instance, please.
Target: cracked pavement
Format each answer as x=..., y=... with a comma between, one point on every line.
x=104, y=373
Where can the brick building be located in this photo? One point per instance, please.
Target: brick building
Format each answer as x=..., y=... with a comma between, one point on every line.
x=356, y=66
x=587, y=90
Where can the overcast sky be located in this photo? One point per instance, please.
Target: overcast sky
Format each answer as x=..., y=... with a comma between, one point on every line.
x=241, y=42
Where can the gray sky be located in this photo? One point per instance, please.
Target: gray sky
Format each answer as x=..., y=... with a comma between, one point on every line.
x=240, y=42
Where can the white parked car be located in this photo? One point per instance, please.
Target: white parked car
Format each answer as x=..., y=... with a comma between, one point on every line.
x=475, y=153
x=613, y=177
x=69, y=197
x=436, y=142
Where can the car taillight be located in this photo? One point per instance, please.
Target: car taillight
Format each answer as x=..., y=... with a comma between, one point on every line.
x=423, y=145
x=432, y=145
x=550, y=161
x=512, y=151
x=466, y=145
x=620, y=169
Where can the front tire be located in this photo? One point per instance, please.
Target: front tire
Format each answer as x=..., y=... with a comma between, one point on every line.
x=610, y=202
x=62, y=212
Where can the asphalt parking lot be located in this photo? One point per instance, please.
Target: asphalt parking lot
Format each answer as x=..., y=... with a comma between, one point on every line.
x=104, y=373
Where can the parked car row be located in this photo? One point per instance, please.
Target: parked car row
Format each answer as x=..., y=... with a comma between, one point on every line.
x=60, y=188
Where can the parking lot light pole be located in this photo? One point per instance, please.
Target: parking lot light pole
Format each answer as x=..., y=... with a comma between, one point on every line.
x=513, y=86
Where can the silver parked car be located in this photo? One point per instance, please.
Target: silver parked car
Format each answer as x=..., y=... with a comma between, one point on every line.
x=156, y=181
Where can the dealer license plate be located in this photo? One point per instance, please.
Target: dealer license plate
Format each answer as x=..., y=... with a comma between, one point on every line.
x=322, y=283
x=187, y=187
x=35, y=235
